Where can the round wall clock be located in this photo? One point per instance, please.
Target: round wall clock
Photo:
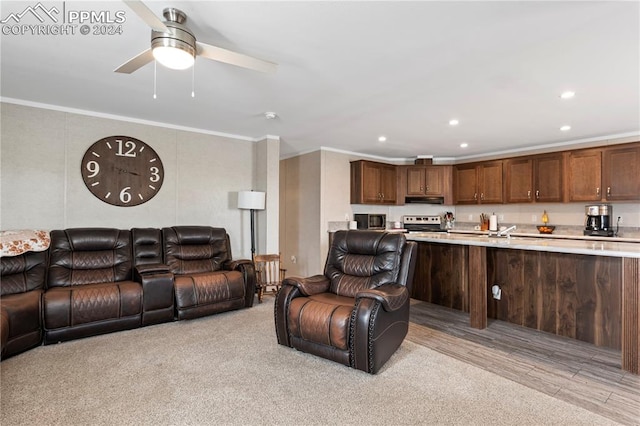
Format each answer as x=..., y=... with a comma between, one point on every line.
x=122, y=171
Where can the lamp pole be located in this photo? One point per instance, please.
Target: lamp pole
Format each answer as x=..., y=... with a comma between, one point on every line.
x=253, y=234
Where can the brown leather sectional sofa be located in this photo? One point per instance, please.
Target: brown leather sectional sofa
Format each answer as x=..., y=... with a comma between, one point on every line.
x=98, y=280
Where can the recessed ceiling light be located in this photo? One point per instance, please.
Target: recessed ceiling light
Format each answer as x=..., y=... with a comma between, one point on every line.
x=269, y=115
x=565, y=128
x=382, y=138
x=453, y=122
x=464, y=145
x=568, y=94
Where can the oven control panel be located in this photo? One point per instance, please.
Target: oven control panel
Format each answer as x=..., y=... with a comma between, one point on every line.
x=421, y=220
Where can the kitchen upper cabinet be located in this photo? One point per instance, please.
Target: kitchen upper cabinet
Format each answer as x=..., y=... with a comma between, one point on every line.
x=519, y=180
x=534, y=179
x=584, y=169
x=479, y=183
x=373, y=183
x=605, y=174
x=426, y=180
x=465, y=184
x=621, y=173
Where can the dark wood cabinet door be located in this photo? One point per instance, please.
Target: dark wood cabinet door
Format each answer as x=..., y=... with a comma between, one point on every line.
x=548, y=178
x=434, y=181
x=621, y=173
x=371, y=178
x=373, y=183
x=416, y=180
x=465, y=184
x=584, y=168
x=388, y=184
x=490, y=182
x=519, y=179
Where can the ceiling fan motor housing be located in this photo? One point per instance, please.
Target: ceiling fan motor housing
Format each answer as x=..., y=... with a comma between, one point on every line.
x=179, y=35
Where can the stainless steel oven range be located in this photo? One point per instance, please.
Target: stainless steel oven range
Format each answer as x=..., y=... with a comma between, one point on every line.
x=423, y=223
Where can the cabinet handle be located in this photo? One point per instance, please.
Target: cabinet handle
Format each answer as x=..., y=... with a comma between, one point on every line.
x=427, y=187
x=608, y=191
x=537, y=194
x=529, y=194
x=475, y=196
x=598, y=191
x=482, y=196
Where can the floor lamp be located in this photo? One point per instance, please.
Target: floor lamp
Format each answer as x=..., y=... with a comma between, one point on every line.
x=251, y=200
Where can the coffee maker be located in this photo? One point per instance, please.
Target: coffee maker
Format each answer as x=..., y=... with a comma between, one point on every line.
x=598, y=220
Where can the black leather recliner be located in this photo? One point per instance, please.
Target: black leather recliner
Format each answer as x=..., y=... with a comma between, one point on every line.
x=90, y=289
x=21, y=287
x=206, y=279
x=357, y=312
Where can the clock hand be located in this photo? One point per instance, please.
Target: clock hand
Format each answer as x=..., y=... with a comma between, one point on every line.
x=126, y=171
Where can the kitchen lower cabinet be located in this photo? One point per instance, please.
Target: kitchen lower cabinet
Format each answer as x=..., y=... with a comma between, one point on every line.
x=590, y=298
x=571, y=295
x=440, y=277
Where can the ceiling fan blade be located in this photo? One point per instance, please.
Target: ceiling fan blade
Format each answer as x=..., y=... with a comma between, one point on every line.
x=136, y=62
x=147, y=15
x=238, y=59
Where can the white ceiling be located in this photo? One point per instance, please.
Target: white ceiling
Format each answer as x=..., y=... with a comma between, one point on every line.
x=351, y=71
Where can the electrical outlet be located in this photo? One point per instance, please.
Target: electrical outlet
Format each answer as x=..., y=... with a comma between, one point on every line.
x=501, y=218
x=293, y=259
x=534, y=218
x=620, y=220
x=470, y=217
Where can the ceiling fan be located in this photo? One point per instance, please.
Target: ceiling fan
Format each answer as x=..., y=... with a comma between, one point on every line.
x=174, y=45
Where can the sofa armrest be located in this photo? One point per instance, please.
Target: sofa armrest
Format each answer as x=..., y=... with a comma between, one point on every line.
x=392, y=296
x=244, y=266
x=157, y=292
x=309, y=286
x=150, y=269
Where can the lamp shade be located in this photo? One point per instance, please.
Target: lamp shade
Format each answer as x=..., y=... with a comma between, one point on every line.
x=253, y=200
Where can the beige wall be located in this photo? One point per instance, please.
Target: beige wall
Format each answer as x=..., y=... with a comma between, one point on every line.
x=41, y=186
x=300, y=220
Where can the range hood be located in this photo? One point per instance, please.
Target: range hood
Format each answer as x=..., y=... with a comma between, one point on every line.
x=424, y=200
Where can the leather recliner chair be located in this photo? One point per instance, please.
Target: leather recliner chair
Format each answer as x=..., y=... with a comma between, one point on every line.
x=357, y=313
x=21, y=287
x=90, y=287
x=206, y=279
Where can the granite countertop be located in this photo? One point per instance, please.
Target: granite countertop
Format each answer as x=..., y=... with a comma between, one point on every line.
x=614, y=247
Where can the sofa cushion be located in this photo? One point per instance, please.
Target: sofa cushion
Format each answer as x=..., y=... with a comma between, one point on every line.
x=80, y=256
x=72, y=306
x=322, y=319
x=207, y=288
x=22, y=273
x=360, y=260
x=195, y=249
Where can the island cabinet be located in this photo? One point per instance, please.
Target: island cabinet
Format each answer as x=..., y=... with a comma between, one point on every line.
x=478, y=183
x=604, y=174
x=440, y=277
x=571, y=295
x=373, y=183
x=592, y=298
x=534, y=179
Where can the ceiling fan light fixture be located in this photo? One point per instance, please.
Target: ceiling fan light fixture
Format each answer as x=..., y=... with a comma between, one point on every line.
x=176, y=48
x=173, y=57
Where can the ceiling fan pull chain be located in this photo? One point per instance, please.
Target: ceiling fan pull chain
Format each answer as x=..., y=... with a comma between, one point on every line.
x=193, y=80
x=155, y=67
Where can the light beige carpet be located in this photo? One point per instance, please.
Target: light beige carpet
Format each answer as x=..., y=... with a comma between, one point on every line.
x=229, y=369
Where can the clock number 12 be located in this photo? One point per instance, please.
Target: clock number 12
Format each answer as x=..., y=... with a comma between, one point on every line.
x=130, y=146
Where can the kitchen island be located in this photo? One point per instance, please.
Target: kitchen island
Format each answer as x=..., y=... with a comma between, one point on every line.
x=585, y=289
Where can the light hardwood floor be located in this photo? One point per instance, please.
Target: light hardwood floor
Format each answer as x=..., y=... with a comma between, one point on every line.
x=570, y=370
